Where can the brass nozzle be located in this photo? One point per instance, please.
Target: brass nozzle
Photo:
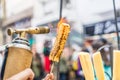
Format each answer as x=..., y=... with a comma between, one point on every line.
x=32, y=30
x=10, y=31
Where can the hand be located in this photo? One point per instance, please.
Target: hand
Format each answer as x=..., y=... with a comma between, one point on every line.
x=49, y=77
x=27, y=74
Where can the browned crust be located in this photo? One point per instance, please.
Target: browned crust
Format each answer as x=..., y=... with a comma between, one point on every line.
x=60, y=41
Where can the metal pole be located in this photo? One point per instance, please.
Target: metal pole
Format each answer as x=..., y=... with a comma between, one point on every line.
x=60, y=16
x=111, y=60
x=117, y=31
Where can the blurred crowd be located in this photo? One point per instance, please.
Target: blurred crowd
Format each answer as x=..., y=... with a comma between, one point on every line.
x=70, y=65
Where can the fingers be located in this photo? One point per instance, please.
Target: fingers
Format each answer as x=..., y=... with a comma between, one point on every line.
x=52, y=76
x=49, y=77
x=30, y=74
x=27, y=74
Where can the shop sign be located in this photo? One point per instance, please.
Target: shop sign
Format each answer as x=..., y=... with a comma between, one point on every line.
x=104, y=27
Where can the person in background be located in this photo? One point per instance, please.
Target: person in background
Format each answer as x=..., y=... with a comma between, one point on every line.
x=79, y=72
x=63, y=69
x=46, y=52
x=37, y=67
x=87, y=45
x=104, y=53
x=76, y=66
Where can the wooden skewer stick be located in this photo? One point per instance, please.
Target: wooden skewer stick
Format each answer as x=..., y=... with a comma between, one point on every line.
x=87, y=67
x=116, y=65
x=98, y=65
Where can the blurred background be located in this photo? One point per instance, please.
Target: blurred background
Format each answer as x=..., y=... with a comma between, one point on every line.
x=90, y=21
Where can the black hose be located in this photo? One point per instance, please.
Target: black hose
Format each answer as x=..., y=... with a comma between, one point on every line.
x=4, y=63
